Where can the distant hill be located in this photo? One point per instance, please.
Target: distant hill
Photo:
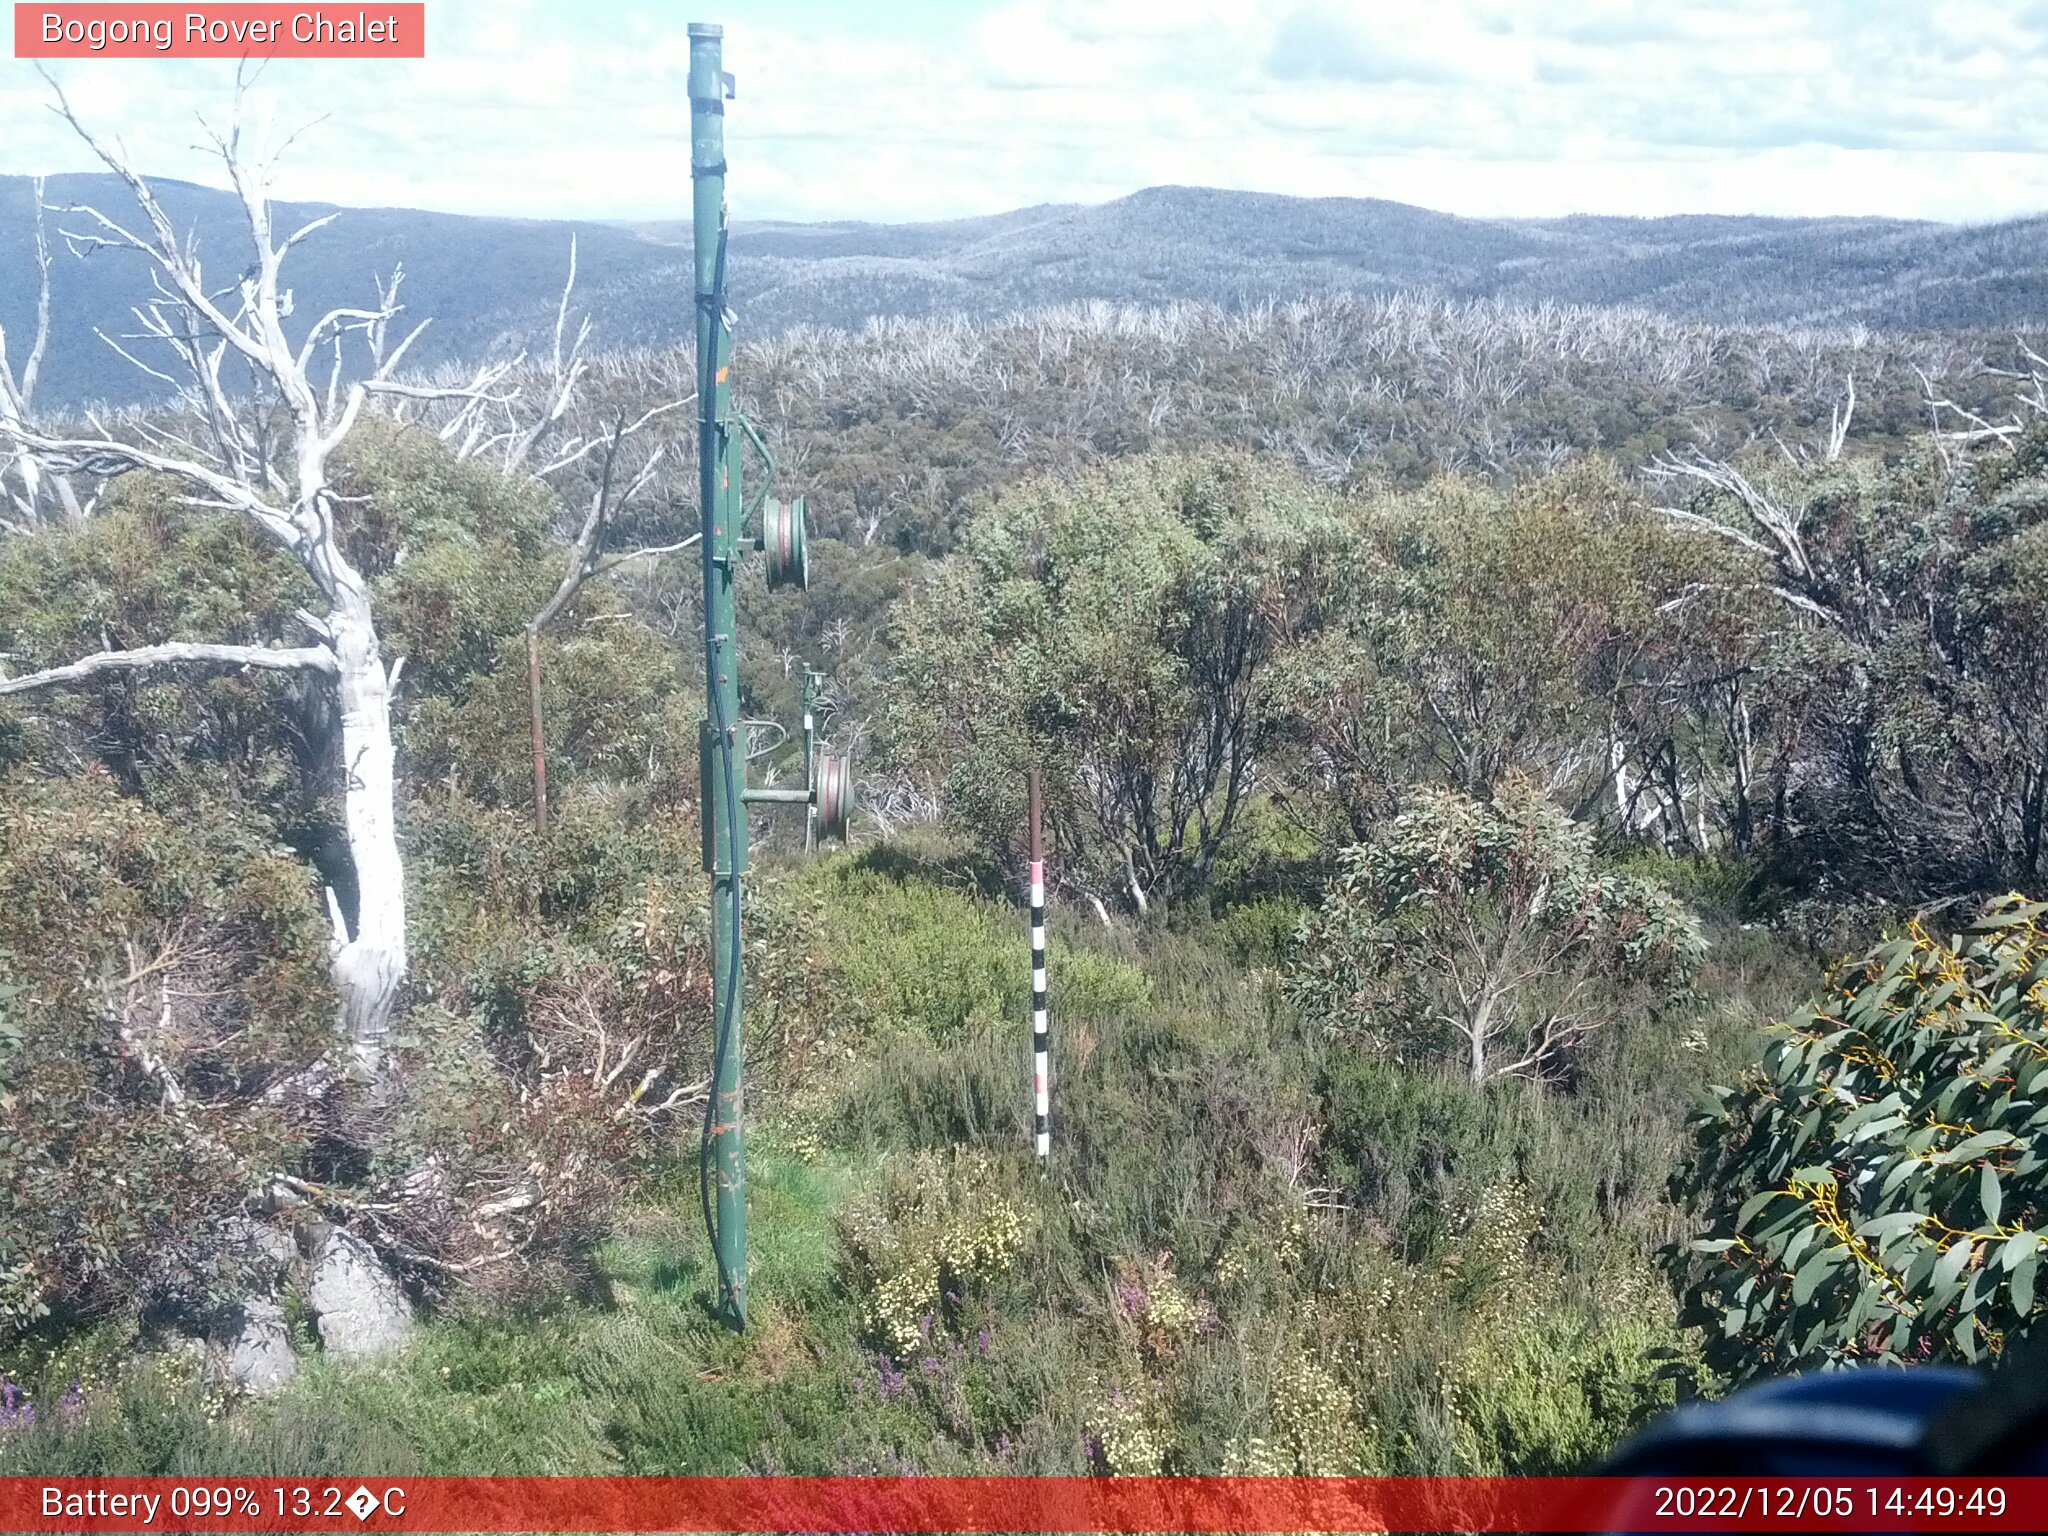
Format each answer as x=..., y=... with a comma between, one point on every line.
x=491, y=284
x=486, y=282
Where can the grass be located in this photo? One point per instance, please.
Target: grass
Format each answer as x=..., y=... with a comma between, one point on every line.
x=1253, y=1249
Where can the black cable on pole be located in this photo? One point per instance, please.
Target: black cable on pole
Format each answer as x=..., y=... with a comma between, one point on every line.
x=723, y=1026
x=721, y=1032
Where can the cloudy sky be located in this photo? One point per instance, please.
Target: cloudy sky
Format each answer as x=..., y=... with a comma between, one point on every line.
x=913, y=109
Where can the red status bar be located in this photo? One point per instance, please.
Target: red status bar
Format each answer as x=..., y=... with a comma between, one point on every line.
x=1056, y=1504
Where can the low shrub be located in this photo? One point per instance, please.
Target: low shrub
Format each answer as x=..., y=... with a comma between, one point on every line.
x=933, y=1228
x=160, y=976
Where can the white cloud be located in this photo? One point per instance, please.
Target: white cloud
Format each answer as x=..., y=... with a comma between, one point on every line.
x=552, y=107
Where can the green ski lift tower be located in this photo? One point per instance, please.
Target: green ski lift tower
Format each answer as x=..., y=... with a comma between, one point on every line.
x=827, y=793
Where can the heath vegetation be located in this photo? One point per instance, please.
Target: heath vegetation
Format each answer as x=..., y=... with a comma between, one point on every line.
x=1473, y=738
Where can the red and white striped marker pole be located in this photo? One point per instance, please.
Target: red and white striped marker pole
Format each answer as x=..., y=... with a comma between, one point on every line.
x=1041, y=1097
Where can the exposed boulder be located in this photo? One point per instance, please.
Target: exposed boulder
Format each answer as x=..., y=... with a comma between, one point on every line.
x=255, y=1348
x=268, y=1250
x=360, y=1307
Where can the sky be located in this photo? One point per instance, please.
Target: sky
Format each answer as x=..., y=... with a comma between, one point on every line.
x=918, y=109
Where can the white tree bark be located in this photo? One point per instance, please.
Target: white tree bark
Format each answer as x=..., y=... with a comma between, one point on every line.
x=231, y=462
x=142, y=658
x=369, y=964
x=35, y=488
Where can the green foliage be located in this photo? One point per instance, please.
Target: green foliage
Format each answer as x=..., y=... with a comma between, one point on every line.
x=1487, y=928
x=904, y=957
x=1424, y=672
x=158, y=975
x=1539, y=1389
x=928, y=1233
x=1904, y=733
x=465, y=557
x=462, y=555
x=1254, y=1253
x=143, y=570
x=1267, y=1243
x=1259, y=933
x=1116, y=629
x=1875, y=1190
x=167, y=945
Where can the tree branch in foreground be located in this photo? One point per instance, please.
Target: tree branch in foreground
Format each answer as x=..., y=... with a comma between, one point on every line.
x=271, y=658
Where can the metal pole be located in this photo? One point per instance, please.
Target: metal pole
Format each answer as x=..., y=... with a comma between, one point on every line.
x=724, y=755
x=1041, y=1042
x=810, y=759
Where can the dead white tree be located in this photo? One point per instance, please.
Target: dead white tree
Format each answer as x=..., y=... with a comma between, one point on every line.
x=560, y=433
x=28, y=489
x=2030, y=404
x=585, y=560
x=1776, y=534
x=282, y=482
x=1840, y=415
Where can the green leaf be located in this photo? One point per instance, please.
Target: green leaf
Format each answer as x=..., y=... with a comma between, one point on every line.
x=1890, y=1223
x=2023, y=1282
x=1798, y=1245
x=1965, y=1335
x=1989, y=1194
x=1754, y=1204
x=1901, y=1171
x=1970, y=1146
x=1811, y=1273
x=1921, y=1268
x=1950, y=1265
x=2017, y=1247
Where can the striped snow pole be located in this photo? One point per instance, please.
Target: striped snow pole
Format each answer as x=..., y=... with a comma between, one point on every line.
x=1041, y=1097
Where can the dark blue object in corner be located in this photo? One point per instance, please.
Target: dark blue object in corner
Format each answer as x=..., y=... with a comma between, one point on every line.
x=1873, y=1420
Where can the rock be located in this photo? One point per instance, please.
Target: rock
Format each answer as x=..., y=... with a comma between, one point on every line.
x=255, y=1349
x=268, y=1249
x=360, y=1308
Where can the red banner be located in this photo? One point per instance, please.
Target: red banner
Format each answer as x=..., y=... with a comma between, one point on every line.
x=373, y=31
x=1053, y=1504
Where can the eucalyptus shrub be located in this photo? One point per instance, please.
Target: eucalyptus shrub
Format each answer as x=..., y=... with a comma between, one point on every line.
x=1486, y=930
x=1116, y=630
x=1875, y=1189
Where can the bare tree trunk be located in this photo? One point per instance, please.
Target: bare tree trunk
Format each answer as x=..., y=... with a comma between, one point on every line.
x=1478, y=1027
x=584, y=559
x=370, y=963
x=540, y=740
x=18, y=397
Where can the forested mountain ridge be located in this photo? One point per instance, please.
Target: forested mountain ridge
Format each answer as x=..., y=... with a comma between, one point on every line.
x=492, y=283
